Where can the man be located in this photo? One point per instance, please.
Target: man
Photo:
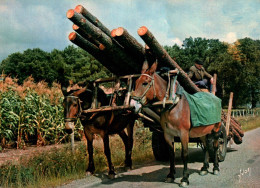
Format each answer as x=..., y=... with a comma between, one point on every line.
x=199, y=75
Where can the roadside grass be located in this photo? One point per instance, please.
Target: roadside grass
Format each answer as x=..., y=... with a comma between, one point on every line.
x=59, y=166
x=249, y=122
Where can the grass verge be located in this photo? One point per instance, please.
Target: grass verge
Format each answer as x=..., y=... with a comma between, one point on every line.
x=249, y=123
x=59, y=166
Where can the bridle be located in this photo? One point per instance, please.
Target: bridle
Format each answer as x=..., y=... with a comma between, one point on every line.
x=79, y=109
x=151, y=84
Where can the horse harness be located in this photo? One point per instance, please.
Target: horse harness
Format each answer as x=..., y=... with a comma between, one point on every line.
x=79, y=114
x=79, y=110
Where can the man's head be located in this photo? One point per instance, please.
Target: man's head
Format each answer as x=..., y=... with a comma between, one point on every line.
x=198, y=63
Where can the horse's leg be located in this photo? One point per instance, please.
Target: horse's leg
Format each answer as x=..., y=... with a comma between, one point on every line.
x=170, y=176
x=91, y=167
x=184, y=154
x=204, y=169
x=111, y=173
x=128, y=149
x=216, y=135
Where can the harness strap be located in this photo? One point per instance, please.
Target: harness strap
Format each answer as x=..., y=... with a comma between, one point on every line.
x=150, y=85
x=111, y=119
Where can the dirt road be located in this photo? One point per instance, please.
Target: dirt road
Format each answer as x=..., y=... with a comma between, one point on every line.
x=240, y=169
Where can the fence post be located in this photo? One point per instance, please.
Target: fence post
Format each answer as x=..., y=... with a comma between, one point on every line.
x=229, y=112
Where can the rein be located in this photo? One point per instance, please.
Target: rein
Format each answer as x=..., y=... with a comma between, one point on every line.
x=79, y=111
x=151, y=84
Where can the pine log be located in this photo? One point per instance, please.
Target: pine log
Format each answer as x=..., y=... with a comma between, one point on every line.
x=130, y=44
x=92, y=50
x=165, y=59
x=236, y=137
x=81, y=10
x=85, y=35
x=94, y=20
x=117, y=54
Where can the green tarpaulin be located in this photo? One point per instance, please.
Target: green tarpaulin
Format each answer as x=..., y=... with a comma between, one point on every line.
x=205, y=108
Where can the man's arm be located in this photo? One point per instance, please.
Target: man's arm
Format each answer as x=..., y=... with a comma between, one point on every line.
x=209, y=76
x=191, y=72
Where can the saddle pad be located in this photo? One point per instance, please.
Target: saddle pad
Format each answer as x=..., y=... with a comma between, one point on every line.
x=205, y=108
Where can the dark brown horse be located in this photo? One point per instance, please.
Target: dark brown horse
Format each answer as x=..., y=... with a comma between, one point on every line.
x=175, y=122
x=102, y=123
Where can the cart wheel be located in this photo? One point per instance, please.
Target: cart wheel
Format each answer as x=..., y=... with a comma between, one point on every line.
x=222, y=150
x=160, y=147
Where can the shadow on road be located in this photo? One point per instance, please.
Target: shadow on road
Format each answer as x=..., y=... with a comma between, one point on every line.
x=195, y=156
x=148, y=177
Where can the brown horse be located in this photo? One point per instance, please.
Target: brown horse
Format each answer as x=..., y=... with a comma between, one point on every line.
x=175, y=122
x=102, y=123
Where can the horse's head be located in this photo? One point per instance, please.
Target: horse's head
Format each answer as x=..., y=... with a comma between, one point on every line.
x=73, y=103
x=149, y=86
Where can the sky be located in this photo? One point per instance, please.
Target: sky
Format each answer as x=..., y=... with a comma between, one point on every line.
x=43, y=23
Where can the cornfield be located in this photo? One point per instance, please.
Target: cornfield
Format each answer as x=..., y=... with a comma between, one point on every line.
x=31, y=113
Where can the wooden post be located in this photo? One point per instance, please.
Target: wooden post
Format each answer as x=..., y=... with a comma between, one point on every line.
x=229, y=112
x=214, y=84
x=72, y=141
x=129, y=83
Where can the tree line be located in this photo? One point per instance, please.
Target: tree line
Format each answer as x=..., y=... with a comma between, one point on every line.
x=237, y=65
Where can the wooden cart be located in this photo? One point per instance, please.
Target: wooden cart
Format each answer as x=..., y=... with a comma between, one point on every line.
x=150, y=118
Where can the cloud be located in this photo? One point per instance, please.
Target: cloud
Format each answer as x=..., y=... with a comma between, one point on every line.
x=231, y=37
x=30, y=24
x=177, y=41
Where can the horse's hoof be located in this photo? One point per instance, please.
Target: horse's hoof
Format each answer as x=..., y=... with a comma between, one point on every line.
x=128, y=169
x=169, y=180
x=203, y=172
x=88, y=173
x=184, y=184
x=216, y=172
x=111, y=176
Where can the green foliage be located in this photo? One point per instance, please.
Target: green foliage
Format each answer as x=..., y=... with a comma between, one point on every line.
x=237, y=66
x=57, y=66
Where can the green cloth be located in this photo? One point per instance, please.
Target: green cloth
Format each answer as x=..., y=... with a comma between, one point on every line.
x=205, y=108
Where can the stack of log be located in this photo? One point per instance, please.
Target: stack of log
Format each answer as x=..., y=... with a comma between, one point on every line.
x=117, y=49
x=235, y=130
x=122, y=54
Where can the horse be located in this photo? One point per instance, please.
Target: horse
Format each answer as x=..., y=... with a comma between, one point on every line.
x=102, y=123
x=175, y=122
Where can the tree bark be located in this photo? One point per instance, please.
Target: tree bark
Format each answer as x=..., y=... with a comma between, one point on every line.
x=130, y=44
x=123, y=62
x=93, y=50
x=85, y=35
x=166, y=60
x=94, y=20
x=81, y=10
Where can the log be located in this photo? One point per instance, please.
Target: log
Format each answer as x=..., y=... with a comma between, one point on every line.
x=165, y=59
x=92, y=50
x=85, y=35
x=81, y=10
x=129, y=43
x=113, y=51
x=94, y=20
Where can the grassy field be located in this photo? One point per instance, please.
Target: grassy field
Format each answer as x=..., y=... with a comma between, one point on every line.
x=249, y=123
